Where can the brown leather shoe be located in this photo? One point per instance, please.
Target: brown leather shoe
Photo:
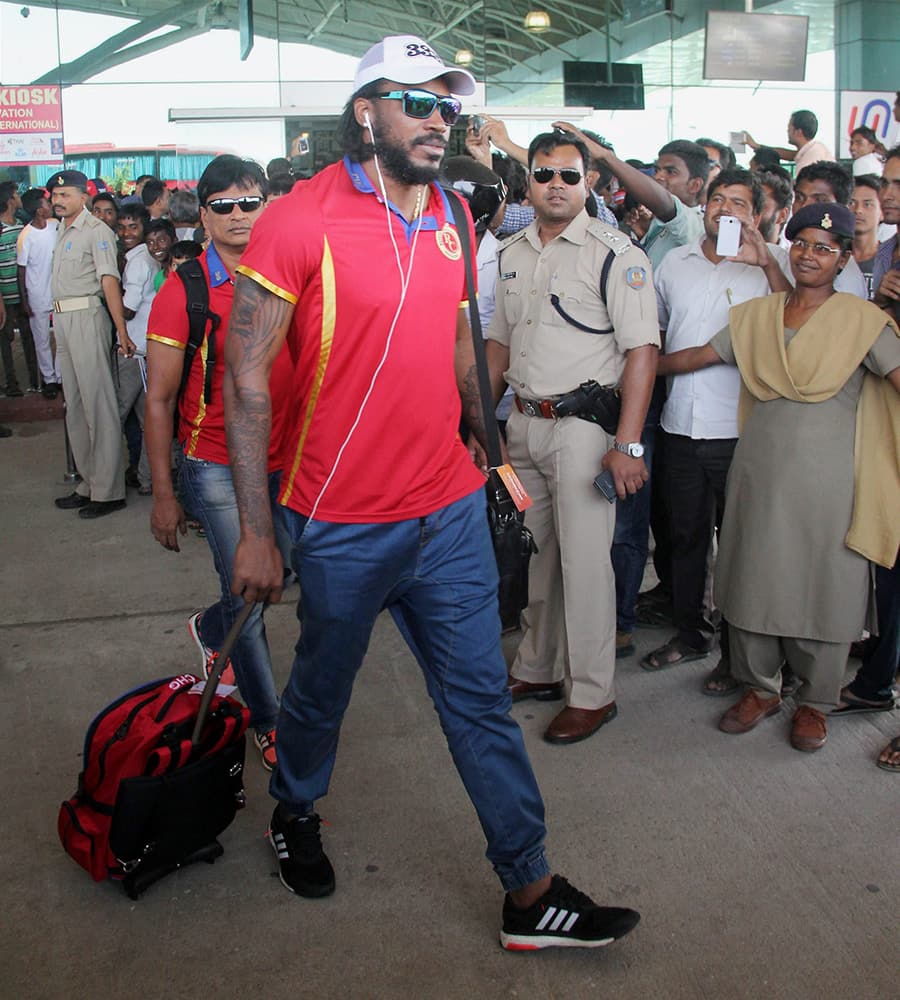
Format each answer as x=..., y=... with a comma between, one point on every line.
x=575, y=724
x=808, y=730
x=520, y=690
x=748, y=712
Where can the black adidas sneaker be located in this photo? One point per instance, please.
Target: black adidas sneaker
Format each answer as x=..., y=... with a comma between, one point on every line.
x=305, y=868
x=564, y=917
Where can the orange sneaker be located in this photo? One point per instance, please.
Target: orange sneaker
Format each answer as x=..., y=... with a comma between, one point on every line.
x=208, y=656
x=265, y=743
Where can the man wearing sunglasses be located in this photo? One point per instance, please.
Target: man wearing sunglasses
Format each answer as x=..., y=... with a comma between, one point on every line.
x=232, y=194
x=360, y=270
x=555, y=328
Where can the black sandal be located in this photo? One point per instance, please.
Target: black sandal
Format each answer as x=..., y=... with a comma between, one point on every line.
x=673, y=653
x=720, y=673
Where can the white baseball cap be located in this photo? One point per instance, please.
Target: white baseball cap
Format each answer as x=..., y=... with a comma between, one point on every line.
x=410, y=60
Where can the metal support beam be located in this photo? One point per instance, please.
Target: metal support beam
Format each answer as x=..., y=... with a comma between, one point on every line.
x=84, y=67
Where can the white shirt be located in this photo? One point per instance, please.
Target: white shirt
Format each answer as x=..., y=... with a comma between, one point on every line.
x=812, y=152
x=34, y=252
x=693, y=298
x=138, y=292
x=486, y=263
x=868, y=164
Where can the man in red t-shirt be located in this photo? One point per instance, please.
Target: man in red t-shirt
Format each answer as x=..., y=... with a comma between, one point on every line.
x=232, y=195
x=360, y=271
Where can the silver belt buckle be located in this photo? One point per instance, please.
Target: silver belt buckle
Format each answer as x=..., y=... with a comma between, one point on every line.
x=530, y=408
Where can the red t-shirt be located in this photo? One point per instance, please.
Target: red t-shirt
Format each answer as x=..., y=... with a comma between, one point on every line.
x=325, y=248
x=201, y=427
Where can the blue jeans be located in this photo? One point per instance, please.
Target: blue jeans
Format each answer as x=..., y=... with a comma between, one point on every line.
x=631, y=541
x=438, y=578
x=209, y=494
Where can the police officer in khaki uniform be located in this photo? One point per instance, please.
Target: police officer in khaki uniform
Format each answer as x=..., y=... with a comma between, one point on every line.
x=551, y=332
x=84, y=268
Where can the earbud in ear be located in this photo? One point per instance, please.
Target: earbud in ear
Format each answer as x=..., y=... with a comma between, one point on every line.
x=366, y=121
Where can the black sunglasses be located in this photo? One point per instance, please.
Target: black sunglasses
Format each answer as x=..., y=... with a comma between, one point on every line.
x=225, y=206
x=543, y=175
x=421, y=104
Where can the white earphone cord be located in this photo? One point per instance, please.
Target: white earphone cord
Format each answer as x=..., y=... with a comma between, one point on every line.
x=404, y=285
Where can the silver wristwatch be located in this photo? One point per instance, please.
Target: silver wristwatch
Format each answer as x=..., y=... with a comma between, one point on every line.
x=633, y=449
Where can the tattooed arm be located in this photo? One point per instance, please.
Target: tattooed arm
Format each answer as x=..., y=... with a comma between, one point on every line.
x=256, y=332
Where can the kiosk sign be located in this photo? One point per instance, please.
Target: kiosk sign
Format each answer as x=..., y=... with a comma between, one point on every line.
x=31, y=132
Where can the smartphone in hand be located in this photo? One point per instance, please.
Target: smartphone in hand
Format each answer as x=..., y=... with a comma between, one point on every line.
x=607, y=485
x=729, y=240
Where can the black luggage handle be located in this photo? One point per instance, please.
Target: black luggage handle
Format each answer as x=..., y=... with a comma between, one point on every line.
x=212, y=681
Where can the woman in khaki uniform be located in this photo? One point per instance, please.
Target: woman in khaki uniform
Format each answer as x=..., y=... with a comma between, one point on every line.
x=814, y=486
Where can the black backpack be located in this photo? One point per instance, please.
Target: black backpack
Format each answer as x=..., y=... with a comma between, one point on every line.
x=197, y=293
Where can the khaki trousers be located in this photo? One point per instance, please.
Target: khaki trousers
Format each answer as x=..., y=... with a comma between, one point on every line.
x=83, y=342
x=756, y=660
x=570, y=622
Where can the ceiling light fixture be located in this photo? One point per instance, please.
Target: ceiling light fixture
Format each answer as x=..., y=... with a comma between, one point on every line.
x=537, y=21
x=464, y=57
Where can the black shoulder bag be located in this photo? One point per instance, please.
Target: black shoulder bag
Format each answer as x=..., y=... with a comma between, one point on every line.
x=513, y=542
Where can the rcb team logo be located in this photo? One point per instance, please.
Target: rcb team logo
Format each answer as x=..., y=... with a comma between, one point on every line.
x=448, y=243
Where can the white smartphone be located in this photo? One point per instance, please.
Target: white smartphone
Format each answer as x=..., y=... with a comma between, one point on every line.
x=729, y=241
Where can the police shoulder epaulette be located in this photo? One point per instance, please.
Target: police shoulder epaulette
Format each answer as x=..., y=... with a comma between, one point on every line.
x=508, y=242
x=618, y=242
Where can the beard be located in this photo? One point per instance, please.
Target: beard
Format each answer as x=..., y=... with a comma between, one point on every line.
x=769, y=228
x=396, y=161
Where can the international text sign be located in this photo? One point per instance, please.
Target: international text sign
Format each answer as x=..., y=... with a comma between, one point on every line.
x=31, y=131
x=871, y=108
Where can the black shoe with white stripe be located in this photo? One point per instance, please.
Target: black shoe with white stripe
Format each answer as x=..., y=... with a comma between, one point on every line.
x=564, y=917
x=304, y=866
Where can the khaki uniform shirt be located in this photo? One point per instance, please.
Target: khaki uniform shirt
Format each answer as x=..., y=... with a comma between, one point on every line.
x=85, y=251
x=548, y=356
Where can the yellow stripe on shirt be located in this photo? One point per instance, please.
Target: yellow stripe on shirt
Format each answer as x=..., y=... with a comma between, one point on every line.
x=201, y=403
x=329, y=316
x=282, y=293
x=166, y=340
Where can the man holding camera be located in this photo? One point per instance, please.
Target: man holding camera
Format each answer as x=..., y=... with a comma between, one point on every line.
x=575, y=335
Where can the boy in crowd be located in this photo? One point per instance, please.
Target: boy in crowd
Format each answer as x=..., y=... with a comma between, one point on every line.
x=137, y=296
x=34, y=260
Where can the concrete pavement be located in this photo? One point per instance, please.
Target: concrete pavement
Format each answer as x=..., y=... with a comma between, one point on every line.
x=760, y=872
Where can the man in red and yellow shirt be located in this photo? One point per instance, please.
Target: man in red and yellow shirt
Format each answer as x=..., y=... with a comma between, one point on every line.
x=359, y=270
x=232, y=195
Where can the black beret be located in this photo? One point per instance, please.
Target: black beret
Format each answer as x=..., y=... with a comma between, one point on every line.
x=829, y=216
x=67, y=178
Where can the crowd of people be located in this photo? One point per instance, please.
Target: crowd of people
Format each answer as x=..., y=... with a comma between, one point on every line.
x=744, y=405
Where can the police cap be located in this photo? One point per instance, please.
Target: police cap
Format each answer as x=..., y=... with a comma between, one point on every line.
x=829, y=216
x=67, y=178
